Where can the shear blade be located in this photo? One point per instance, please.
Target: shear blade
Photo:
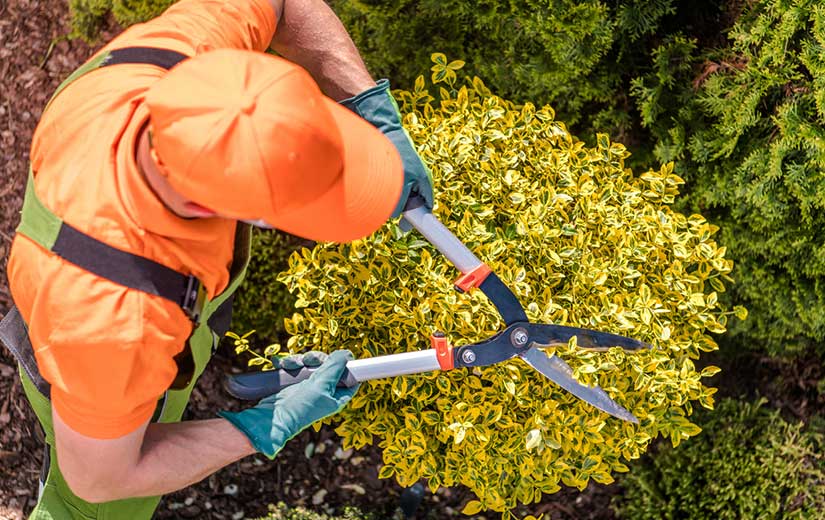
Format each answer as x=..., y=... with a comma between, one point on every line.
x=549, y=335
x=558, y=371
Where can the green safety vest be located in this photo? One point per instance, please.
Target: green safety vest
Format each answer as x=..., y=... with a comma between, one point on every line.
x=210, y=317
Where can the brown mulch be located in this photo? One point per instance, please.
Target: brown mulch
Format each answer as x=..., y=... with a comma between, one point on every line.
x=791, y=385
x=31, y=67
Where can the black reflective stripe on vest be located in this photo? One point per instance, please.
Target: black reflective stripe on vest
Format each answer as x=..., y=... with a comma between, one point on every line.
x=121, y=267
x=127, y=269
x=144, y=55
x=118, y=266
x=14, y=335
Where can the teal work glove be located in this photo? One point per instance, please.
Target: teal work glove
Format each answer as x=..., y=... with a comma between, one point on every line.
x=377, y=106
x=280, y=417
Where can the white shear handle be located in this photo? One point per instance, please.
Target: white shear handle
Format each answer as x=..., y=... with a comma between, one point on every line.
x=438, y=235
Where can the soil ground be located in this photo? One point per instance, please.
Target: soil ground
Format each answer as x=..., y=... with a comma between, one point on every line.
x=34, y=57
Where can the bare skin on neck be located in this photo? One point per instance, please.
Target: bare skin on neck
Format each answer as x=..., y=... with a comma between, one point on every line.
x=177, y=203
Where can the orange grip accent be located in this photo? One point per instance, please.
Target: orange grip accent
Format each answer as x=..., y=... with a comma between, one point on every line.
x=473, y=279
x=443, y=350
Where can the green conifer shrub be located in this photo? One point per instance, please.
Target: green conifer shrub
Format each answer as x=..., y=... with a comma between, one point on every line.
x=582, y=240
x=263, y=302
x=746, y=125
x=88, y=15
x=577, y=55
x=747, y=463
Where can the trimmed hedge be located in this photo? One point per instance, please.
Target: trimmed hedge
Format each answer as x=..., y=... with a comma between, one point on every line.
x=747, y=463
x=582, y=241
x=744, y=120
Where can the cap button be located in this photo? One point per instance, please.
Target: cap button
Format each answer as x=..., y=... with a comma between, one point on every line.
x=247, y=104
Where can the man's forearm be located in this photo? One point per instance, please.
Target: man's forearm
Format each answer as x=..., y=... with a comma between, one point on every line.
x=171, y=457
x=177, y=455
x=312, y=36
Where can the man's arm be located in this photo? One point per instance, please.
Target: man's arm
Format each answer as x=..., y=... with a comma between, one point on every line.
x=160, y=458
x=310, y=34
x=153, y=460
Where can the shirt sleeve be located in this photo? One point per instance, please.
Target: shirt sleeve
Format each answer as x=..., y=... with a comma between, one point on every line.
x=195, y=26
x=107, y=351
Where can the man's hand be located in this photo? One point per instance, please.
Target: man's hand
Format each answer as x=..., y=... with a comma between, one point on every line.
x=278, y=418
x=377, y=106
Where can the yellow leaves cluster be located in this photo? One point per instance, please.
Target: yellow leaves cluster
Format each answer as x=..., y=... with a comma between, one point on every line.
x=582, y=241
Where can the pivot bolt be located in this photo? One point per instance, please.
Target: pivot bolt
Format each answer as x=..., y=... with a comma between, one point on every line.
x=519, y=337
x=468, y=356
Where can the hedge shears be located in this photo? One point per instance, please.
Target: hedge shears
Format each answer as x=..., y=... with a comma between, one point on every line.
x=520, y=337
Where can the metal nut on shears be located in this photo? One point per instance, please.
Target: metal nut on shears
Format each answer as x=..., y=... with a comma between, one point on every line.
x=519, y=337
x=468, y=356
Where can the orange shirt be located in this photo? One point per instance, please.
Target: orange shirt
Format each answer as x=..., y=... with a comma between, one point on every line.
x=108, y=350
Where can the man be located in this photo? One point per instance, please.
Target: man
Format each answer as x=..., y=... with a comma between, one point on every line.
x=130, y=246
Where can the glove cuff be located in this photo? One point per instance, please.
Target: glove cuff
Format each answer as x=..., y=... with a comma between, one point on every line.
x=377, y=106
x=382, y=86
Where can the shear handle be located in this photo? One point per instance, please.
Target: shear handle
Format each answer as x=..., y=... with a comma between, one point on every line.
x=257, y=385
x=438, y=235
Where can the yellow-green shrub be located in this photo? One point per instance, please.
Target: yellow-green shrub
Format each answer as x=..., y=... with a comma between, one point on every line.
x=283, y=512
x=582, y=241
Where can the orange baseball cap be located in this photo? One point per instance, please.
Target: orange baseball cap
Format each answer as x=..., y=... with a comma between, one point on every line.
x=250, y=136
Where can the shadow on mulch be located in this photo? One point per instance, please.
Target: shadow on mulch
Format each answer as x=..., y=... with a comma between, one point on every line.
x=791, y=385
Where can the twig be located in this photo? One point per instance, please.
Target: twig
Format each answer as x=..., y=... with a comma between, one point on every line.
x=6, y=236
x=8, y=114
x=48, y=54
x=51, y=48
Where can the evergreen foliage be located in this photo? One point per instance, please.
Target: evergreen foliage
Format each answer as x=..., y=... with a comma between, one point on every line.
x=578, y=55
x=581, y=240
x=263, y=302
x=746, y=125
x=88, y=15
x=747, y=463
x=744, y=122
x=575, y=54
